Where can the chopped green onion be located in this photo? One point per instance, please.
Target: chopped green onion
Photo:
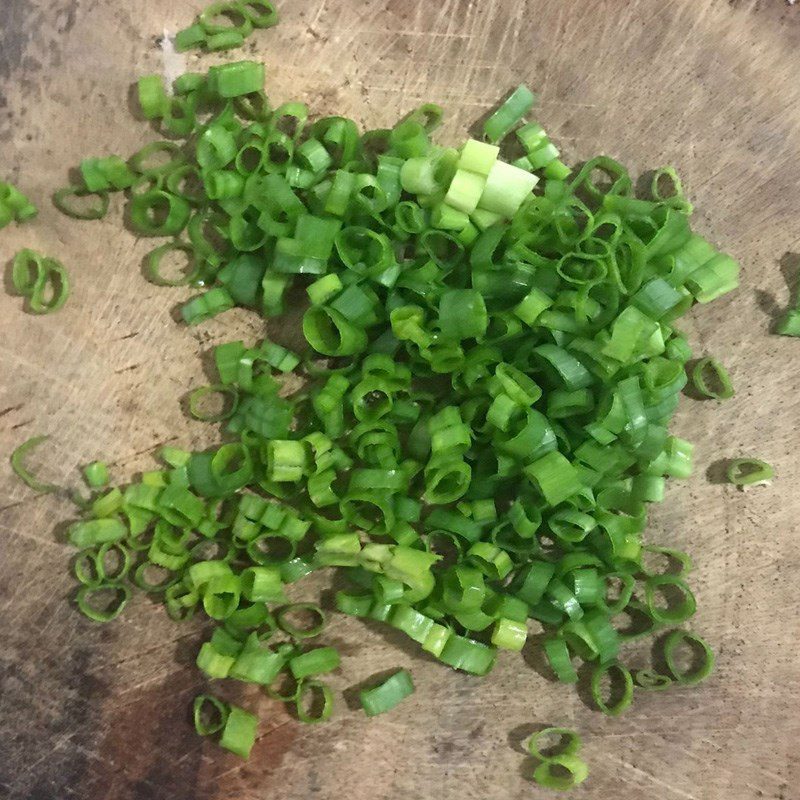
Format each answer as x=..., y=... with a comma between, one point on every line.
x=310, y=630
x=671, y=614
x=509, y=634
x=314, y=662
x=239, y=731
x=711, y=379
x=569, y=741
x=626, y=695
x=219, y=709
x=703, y=667
x=197, y=397
x=386, y=695
x=14, y=205
x=90, y=599
x=576, y=773
x=501, y=122
x=651, y=680
x=23, y=473
x=305, y=694
x=41, y=279
x=67, y=201
x=558, y=656
x=96, y=474
x=236, y=79
x=749, y=471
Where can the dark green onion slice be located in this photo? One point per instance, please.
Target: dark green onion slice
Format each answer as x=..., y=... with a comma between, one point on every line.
x=671, y=613
x=90, y=603
x=299, y=631
x=206, y=705
x=26, y=272
x=52, y=289
x=314, y=702
x=705, y=663
x=157, y=256
x=625, y=698
x=23, y=473
x=652, y=680
x=66, y=200
x=290, y=693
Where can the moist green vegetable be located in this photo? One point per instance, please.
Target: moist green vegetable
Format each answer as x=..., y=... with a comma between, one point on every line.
x=239, y=731
x=694, y=674
x=96, y=474
x=790, y=324
x=225, y=25
x=571, y=769
x=14, y=205
x=18, y=458
x=711, y=379
x=747, y=471
x=386, y=695
x=42, y=280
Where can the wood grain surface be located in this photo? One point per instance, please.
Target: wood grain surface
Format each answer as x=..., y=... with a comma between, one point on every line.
x=100, y=712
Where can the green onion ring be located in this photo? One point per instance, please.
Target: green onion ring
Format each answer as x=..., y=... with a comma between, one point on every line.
x=749, y=471
x=717, y=375
x=296, y=631
x=670, y=616
x=140, y=580
x=26, y=272
x=85, y=596
x=600, y=671
x=219, y=707
x=53, y=272
x=23, y=473
x=305, y=690
x=570, y=747
x=61, y=200
x=198, y=395
x=673, y=642
x=288, y=697
x=652, y=680
x=155, y=257
x=576, y=767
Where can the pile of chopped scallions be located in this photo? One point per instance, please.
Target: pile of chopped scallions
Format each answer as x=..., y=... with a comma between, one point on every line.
x=491, y=368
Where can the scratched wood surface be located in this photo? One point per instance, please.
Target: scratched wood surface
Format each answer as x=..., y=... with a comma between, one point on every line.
x=100, y=712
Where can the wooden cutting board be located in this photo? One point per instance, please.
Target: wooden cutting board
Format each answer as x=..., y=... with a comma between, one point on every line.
x=100, y=712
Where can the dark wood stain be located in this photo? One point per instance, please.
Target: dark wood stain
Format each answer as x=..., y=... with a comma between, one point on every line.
x=150, y=750
x=265, y=761
x=48, y=715
x=15, y=17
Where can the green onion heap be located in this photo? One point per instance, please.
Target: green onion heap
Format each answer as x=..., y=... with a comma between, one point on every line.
x=491, y=371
